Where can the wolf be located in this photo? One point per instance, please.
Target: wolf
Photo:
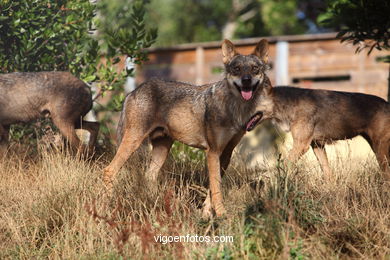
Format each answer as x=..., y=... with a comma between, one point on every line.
x=26, y=96
x=319, y=117
x=212, y=117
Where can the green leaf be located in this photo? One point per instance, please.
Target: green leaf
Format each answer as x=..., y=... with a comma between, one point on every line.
x=89, y=78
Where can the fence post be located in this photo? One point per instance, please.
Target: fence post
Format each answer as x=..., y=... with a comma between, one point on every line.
x=199, y=65
x=281, y=63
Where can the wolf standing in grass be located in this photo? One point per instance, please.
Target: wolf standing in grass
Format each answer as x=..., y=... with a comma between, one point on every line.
x=212, y=117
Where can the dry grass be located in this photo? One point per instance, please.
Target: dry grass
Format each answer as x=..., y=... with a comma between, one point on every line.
x=53, y=206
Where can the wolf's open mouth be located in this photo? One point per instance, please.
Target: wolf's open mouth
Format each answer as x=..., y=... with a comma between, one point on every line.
x=253, y=121
x=246, y=93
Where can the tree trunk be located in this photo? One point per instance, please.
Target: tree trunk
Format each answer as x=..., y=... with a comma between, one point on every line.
x=229, y=29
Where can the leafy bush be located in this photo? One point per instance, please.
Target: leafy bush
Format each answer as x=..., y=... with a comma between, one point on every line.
x=360, y=21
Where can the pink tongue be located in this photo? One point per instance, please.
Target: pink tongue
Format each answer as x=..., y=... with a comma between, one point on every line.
x=246, y=94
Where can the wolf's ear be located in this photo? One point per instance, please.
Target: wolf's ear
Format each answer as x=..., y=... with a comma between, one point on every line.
x=228, y=51
x=261, y=50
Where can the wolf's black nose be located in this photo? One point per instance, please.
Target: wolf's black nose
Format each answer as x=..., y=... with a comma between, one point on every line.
x=246, y=79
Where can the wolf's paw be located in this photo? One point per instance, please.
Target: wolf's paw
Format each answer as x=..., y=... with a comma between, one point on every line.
x=207, y=211
x=220, y=211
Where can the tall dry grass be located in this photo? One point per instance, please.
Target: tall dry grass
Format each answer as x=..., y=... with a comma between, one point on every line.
x=52, y=205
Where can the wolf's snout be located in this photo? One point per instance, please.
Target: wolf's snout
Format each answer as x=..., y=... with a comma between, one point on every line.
x=246, y=80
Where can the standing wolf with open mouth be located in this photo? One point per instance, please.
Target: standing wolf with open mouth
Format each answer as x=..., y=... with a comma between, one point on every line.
x=212, y=117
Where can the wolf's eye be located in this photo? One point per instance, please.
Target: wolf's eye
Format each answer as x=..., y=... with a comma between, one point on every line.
x=236, y=69
x=255, y=69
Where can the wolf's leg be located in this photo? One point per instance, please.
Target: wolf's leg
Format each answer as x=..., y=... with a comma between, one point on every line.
x=130, y=142
x=224, y=161
x=4, y=132
x=67, y=129
x=160, y=151
x=213, y=164
x=320, y=152
x=382, y=149
x=227, y=152
x=302, y=134
x=93, y=129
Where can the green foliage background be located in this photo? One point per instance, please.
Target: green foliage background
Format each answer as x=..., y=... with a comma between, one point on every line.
x=205, y=20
